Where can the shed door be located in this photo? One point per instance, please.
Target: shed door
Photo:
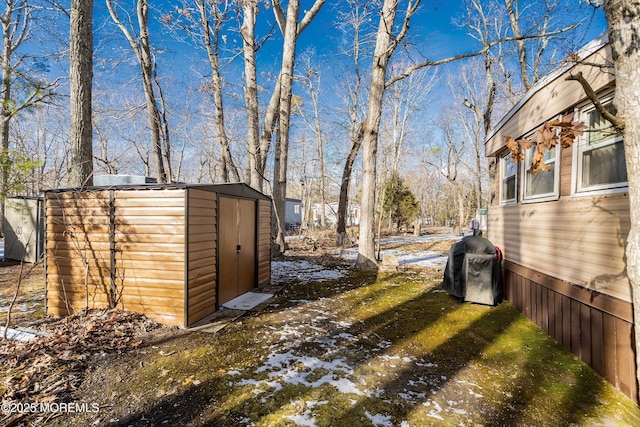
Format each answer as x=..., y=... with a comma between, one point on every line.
x=237, y=252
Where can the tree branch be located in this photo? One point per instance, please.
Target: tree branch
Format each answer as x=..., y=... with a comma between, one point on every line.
x=482, y=51
x=309, y=15
x=617, y=123
x=279, y=14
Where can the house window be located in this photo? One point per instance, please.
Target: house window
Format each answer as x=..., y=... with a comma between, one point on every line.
x=544, y=184
x=601, y=162
x=508, y=173
x=296, y=209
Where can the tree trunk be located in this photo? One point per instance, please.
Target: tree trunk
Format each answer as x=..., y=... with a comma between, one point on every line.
x=247, y=30
x=5, y=109
x=140, y=46
x=81, y=76
x=356, y=141
x=284, y=116
x=623, y=18
x=270, y=120
x=320, y=153
x=366, y=250
x=146, y=66
x=212, y=46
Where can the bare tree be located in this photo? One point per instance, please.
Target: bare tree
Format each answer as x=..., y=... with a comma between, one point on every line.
x=354, y=21
x=139, y=42
x=256, y=152
x=405, y=98
x=291, y=30
x=448, y=162
x=204, y=25
x=386, y=43
x=17, y=21
x=311, y=81
x=81, y=76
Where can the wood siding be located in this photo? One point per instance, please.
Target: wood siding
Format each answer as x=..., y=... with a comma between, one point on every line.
x=130, y=249
x=264, y=242
x=552, y=96
x=597, y=328
x=202, y=274
x=578, y=240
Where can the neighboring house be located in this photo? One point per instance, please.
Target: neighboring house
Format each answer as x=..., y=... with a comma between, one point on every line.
x=293, y=214
x=563, y=232
x=331, y=214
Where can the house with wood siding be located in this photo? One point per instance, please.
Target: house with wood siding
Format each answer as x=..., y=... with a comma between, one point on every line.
x=563, y=232
x=173, y=252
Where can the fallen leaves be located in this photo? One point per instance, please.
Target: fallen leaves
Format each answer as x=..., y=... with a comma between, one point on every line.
x=44, y=369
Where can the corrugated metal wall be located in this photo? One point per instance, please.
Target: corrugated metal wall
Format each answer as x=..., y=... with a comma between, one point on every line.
x=78, y=254
x=140, y=248
x=150, y=255
x=132, y=244
x=23, y=226
x=264, y=242
x=203, y=235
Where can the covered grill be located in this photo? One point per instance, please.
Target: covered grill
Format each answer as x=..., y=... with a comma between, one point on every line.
x=473, y=271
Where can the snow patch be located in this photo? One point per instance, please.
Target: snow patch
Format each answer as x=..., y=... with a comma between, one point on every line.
x=379, y=419
x=304, y=419
x=282, y=271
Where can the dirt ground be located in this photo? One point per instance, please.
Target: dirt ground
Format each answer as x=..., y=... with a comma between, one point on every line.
x=345, y=348
x=29, y=306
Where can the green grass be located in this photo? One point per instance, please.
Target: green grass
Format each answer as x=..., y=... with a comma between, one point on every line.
x=392, y=346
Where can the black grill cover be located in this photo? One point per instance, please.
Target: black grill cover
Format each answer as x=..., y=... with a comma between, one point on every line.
x=473, y=271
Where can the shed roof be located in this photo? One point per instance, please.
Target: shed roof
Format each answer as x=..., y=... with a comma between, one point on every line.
x=238, y=189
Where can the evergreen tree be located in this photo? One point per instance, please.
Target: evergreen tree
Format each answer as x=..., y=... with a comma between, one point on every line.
x=400, y=205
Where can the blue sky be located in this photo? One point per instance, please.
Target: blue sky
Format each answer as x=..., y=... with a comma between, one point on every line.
x=432, y=35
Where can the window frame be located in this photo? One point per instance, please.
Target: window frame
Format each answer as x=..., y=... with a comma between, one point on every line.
x=578, y=189
x=503, y=178
x=526, y=164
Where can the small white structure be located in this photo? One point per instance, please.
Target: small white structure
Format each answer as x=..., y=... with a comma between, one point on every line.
x=331, y=213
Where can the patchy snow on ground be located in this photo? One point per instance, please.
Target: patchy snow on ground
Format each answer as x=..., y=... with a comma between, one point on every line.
x=302, y=270
x=314, y=325
x=379, y=419
x=428, y=259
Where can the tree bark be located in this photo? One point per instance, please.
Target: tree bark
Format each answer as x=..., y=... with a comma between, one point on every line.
x=623, y=18
x=341, y=230
x=355, y=126
x=212, y=46
x=366, y=249
x=247, y=31
x=284, y=116
x=81, y=76
x=514, y=19
x=142, y=49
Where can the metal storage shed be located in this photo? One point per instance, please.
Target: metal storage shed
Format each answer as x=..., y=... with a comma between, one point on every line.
x=174, y=252
x=23, y=226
